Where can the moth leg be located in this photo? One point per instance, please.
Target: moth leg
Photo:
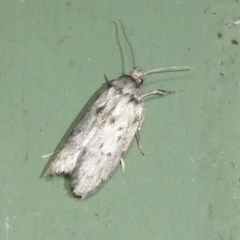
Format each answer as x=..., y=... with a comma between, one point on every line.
x=107, y=81
x=122, y=165
x=158, y=92
x=139, y=143
x=48, y=155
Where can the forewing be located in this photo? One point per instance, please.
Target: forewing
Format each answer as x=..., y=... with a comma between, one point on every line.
x=74, y=146
x=100, y=139
x=116, y=126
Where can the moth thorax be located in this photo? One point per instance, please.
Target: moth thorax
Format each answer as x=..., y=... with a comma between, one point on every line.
x=137, y=75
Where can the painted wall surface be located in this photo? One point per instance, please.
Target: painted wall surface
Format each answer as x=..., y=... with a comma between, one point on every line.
x=53, y=57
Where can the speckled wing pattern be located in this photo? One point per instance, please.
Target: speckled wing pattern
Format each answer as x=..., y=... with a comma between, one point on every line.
x=102, y=137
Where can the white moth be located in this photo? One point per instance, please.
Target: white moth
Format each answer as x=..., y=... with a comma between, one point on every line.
x=101, y=138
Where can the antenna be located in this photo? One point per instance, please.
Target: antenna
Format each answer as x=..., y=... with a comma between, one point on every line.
x=125, y=35
x=120, y=47
x=167, y=69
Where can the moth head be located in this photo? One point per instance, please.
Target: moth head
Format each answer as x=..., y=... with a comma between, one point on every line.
x=137, y=75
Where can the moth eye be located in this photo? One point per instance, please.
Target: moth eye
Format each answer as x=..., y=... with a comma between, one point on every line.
x=140, y=81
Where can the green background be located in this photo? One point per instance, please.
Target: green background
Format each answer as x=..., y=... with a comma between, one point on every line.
x=53, y=55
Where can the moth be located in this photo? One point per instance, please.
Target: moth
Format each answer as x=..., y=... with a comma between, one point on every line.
x=101, y=138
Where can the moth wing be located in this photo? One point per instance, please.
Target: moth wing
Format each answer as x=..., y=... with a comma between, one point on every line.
x=116, y=126
x=100, y=139
x=65, y=160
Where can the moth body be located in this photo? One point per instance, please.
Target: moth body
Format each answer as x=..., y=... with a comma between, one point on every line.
x=101, y=138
